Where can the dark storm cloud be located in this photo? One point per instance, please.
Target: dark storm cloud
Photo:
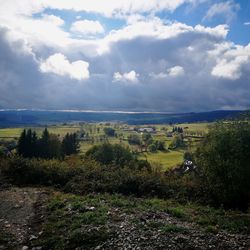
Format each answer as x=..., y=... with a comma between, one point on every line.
x=24, y=86
x=20, y=81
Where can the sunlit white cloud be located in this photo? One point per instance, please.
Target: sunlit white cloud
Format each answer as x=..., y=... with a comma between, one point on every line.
x=157, y=29
x=229, y=64
x=174, y=71
x=87, y=27
x=54, y=20
x=58, y=64
x=118, y=8
x=131, y=76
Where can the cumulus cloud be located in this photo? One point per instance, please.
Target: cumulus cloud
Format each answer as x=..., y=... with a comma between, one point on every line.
x=54, y=20
x=171, y=72
x=157, y=29
x=59, y=64
x=230, y=63
x=176, y=71
x=49, y=31
x=118, y=8
x=39, y=54
x=87, y=27
x=131, y=76
x=227, y=10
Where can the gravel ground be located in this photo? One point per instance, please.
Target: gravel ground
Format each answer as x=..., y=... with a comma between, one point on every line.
x=22, y=212
x=131, y=236
x=19, y=215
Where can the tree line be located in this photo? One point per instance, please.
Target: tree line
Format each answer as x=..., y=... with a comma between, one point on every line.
x=48, y=146
x=177, y=129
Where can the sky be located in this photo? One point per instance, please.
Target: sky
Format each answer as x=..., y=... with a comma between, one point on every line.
x=128, y=55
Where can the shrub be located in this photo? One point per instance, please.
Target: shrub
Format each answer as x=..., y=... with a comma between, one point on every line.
x=37, y=172
x=134, y=139
x=109, y=179
x=188, y=156
x=177, y=142
x=109, y=131
x=156, y=145
x=224, y=159
x=152, y=148
x=115, y=155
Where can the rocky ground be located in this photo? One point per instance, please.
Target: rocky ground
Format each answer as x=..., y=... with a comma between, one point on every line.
x=23, y=211
x=21, y=215
x=181, y=235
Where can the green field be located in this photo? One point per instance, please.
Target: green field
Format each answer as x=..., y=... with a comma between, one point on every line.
x=10, y=132
x=15, y=132
x=167, y=158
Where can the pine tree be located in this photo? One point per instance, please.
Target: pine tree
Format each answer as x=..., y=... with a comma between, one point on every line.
x=44, y=144
x=28, y=140
x=34, y=143
x=21, y=146
x=27, y=144
x=70, y=144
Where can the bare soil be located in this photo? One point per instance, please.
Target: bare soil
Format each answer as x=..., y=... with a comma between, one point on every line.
x=21, y=214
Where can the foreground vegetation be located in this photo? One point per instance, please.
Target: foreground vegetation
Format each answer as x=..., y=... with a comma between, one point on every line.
x=93, y=219
x=221, y=178
x=109, y=181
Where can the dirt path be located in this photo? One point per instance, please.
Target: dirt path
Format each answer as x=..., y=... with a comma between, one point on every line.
x=21, y=214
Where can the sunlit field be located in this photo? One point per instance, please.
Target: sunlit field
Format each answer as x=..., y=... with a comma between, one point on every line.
x=167, y=159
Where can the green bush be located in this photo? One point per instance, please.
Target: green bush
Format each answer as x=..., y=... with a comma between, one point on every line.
x=152, y=148
x=224, y=159
x=115, y=155
x=177, y=142
x=109, y=131
x=109, y=179
x=108, y=154
x=37, y=172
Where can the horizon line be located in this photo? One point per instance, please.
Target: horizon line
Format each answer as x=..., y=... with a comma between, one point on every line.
x=114, y=111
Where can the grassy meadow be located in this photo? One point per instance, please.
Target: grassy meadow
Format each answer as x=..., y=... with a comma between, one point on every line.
x=192, y=132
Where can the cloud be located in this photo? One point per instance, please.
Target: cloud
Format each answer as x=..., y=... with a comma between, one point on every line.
x=87, y=27
x=227, y=10
x=44, y=31
x=176, y=71
x=195, y=67
x=20, y=81
x=199, y=91
x=230, y=63
x=58, y=64
x=52, y=19
x=131, y=76
x=50, y=31
x=247, y=23
x=118, y=8
x=171, y=72
x=109, y=8
x=157, y=29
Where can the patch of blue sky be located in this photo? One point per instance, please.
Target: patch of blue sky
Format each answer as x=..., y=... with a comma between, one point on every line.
x=70, y=16
x=187, y=14
x=238, y=32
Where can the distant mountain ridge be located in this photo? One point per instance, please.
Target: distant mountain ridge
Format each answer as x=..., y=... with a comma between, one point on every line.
x=16, y=118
